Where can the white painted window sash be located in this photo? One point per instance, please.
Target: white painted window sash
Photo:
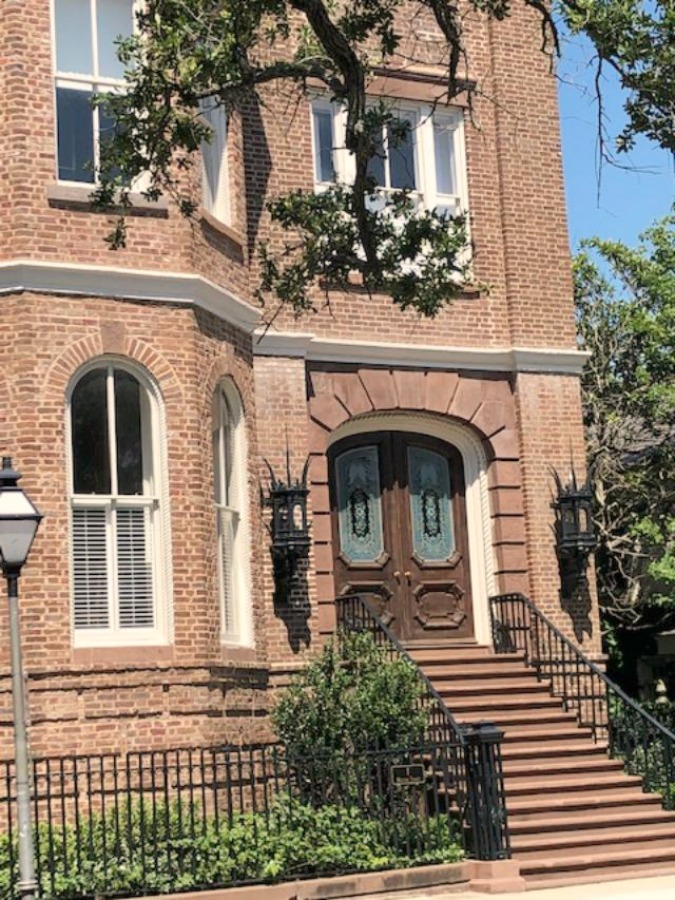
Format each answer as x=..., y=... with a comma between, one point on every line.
x=151, y=562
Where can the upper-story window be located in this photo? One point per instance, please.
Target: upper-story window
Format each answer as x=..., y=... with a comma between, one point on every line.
x=426, y=158
x=118, y=509
x=86, y=63
x=215, y=173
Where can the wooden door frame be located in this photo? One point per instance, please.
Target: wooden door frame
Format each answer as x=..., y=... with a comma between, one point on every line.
x=479, y=525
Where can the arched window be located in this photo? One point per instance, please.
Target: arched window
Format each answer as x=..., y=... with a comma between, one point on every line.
x=120, y=591
x=231, y=507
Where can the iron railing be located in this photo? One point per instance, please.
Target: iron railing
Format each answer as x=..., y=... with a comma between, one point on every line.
x=473, y=751
x=645, y=745
x=181, y=819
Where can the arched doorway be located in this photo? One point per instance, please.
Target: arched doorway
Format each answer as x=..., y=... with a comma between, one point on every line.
x=400, y=537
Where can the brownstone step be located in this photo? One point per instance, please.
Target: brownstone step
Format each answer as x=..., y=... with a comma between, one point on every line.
x=619, y=833
x=597, y=859
x=463, y=688
x=556, y=737
x=463, y=657
x=496, y=702
x=566, y=782
x=572, y=764
x=561, y=823
x=524, y=717
x=598, y=875
x=543, y=805
x=451, y=670
x=540, y=750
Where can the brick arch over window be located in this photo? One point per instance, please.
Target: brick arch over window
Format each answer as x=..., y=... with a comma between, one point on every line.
x=483, y=403
x=88, y=348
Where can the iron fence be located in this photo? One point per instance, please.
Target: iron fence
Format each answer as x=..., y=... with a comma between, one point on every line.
x=186, y=819
x=646, y=746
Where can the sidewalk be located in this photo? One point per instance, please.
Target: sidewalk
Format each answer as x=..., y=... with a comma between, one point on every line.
x=657, y=888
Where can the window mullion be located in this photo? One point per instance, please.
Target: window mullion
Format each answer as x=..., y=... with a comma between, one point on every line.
x=94, y=39
x=112, y=431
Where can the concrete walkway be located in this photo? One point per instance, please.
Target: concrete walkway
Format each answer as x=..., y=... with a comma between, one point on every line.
x=658, y=888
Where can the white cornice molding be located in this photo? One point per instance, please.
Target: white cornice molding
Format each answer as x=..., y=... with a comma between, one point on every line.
x=127, y=284
x=507, y=359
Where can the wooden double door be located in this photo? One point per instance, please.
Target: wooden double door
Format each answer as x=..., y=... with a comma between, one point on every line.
x=399, y=532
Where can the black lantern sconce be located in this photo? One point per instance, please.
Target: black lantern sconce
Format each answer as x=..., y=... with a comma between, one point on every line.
x=574, y=532
x=289, y=527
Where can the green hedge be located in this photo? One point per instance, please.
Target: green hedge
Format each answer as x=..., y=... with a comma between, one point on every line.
x=171, y=848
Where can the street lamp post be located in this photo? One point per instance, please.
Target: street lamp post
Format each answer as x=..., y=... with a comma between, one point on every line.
x=19, y=520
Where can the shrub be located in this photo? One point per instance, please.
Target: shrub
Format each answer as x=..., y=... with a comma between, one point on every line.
x=353, y=697
x=164, y=848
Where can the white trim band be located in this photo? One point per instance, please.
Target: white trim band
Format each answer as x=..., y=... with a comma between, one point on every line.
x=507, y=359
x=127, y=284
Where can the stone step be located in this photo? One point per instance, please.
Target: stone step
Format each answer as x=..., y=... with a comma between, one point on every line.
x=619, y=833
x=566, y=821
x=431, y=657
x=598, y=858
x=546, y=735
x=524, y=716
x=599, y=875
x=495, y=688
x=449, y=670
x=543, y=805
x=496, y=702
x=571, y=764
x=541, y=750
x=556, y=783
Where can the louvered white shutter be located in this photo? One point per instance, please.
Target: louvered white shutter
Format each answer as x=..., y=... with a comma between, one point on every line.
x=134, y=568
x=91, y=602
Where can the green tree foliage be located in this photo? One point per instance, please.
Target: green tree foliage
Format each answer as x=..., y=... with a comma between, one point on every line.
x=232, y=51
x=625, y=300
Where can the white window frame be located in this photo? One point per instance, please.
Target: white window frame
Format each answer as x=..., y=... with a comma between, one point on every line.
x=154, y=500
x=215, y=154
x=91, y=83
x=423, y=117
x=234, y=588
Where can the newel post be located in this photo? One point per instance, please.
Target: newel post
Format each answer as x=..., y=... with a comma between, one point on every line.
x=485, y=782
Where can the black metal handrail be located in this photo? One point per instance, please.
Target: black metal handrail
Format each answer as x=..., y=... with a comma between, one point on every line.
x=474, y=751
x=645, y=745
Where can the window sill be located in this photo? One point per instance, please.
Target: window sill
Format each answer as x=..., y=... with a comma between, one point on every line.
x=237, y=653
x=78, y=197
x=233, y=238
x=123, y=656
x=467, y=291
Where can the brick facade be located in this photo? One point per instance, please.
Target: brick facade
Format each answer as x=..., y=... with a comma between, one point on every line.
x=179, y=303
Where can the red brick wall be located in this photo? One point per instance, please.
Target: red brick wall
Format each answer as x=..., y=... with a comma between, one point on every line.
x=196, y=691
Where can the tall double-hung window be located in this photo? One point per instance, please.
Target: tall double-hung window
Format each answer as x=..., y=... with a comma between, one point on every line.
x=86, y=63
x=120, y=590
x=421, y=151
x=231, y=506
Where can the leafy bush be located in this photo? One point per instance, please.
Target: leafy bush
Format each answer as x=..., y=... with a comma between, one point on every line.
x=164, y=848
x=353, y=697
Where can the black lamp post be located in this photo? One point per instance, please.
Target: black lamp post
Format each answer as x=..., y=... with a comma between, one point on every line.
x=19, y=520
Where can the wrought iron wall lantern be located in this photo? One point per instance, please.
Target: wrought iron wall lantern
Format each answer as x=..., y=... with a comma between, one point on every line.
x=289, y=527
x=574, y=532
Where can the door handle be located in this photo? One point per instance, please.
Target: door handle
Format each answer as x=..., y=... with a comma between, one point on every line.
x=397, y=576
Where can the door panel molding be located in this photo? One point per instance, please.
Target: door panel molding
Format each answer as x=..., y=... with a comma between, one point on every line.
x=479, y=529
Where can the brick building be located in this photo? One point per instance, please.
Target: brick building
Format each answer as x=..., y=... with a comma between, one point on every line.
x=141, y=393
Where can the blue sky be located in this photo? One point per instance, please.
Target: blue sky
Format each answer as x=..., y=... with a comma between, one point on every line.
x=628, y=201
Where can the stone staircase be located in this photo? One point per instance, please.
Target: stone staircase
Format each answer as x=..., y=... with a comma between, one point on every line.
x=575, y=816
